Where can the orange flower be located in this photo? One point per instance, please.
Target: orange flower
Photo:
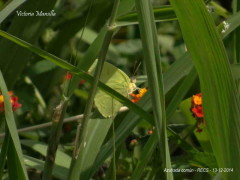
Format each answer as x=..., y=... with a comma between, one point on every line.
x=139, y=95
x=13, y=99
x=197, y=99
x=196, y=109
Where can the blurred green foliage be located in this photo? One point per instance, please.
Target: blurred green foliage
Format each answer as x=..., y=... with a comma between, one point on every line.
x=39, y=85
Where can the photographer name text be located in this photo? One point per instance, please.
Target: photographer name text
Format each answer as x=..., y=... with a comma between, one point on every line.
x=36, y=13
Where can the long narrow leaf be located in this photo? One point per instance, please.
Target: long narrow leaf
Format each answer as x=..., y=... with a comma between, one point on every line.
x=3, y=154
x=155, y=80
x=14, y=141
x=220, y=98
x=163, y=13
x=9, y=8
x=236, y=44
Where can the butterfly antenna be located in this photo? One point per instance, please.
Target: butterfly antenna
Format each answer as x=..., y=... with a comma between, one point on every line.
x=136, y=66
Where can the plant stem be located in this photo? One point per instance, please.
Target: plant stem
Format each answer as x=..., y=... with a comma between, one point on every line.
x=66, y=120
x=155, y=79
x=82, y=126
x=81, y=130
x=57, y=122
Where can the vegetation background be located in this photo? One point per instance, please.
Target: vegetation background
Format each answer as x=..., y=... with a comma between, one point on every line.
x=174, y=49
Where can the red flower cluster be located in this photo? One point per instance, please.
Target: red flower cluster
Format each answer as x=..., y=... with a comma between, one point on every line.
x=14, y=102
x=196, y=109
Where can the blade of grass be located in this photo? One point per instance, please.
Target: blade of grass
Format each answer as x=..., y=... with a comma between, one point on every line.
x=3, y=154
x=181, y=92
x=14, y=144
x=97, y=130
x=7, y=10
x=162, y=13
x=155, y=81
x=145, y=156
x=220, y=98
x=218, y=9
x=15, y=165
x=236, y=36
x=62, y=159
x=58, y=171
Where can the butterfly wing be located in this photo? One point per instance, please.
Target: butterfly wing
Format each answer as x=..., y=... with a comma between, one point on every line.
x=117, y=80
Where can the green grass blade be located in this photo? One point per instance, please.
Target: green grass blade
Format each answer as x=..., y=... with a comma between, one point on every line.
x=125, y=6
x=14, y=144
x=155, y=79
x=58, y=171
x=236, y=37
x=3, y=154
x=181, y=92
x=146, y=155
x=15, y=165
x=97, y=130
x=6, y=11
x=163, y=13
x=220, y=98
x=34, y=49
x=89, y=57
x=62, y=159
